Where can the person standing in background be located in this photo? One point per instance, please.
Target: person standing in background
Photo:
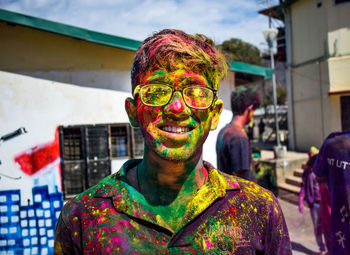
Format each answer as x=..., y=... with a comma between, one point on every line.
x=234, y=153
x=309, y=191
x=333, y=163
x=261, y=126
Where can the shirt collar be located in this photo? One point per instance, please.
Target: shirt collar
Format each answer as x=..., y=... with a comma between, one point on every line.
x=127, y=199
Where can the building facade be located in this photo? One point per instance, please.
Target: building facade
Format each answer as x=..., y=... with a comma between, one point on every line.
x=318, y=64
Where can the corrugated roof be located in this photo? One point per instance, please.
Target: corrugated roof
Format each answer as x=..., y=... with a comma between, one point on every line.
x=63, y=29
x=241, y=67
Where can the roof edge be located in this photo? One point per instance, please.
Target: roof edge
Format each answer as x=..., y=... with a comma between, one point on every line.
x=242, y=67
x=68, y=30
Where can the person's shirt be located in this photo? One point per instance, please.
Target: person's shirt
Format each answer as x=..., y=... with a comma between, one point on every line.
x=309, y=189
x=233, y=151
x=333, y=162
x=226, y=215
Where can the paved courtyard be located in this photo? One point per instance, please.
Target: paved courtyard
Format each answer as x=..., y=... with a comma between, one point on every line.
x=300, y=229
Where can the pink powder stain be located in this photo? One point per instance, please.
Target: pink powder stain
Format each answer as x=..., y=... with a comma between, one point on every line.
x=175, y=105
x=134, y=212
x=117, y=240
x=208, y=244
x=124, y=222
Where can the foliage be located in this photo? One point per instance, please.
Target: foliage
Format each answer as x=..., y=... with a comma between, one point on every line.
x=238, y=50
x=281, y=94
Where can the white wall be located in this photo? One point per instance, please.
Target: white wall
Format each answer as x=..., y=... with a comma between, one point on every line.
x=114, y=80
x=209, y=151
x=40, y=106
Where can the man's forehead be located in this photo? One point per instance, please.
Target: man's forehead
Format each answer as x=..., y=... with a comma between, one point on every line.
x=180, y=75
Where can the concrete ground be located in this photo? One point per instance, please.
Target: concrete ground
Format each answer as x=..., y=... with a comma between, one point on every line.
x=300, y=229
x=299, y=225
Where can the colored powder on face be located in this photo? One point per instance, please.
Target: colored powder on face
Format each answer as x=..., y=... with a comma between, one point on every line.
x=208, y=245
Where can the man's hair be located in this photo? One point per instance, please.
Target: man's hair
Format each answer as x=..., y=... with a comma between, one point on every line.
x=242, y=98
x=170, y=48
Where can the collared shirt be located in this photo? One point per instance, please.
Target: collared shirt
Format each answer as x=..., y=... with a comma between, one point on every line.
x=227, y=215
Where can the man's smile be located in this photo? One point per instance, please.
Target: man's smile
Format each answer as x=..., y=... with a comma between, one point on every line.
x=172, y=129
x=178, y=133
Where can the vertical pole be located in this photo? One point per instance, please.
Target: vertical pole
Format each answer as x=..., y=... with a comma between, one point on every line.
x=274, y=95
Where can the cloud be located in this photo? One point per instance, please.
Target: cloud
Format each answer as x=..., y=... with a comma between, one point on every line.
x=137, y=19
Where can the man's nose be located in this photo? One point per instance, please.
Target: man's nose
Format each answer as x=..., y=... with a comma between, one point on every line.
x=177, y=106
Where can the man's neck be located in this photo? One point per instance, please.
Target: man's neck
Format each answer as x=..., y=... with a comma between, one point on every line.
x=162, y=180
x=239, y=120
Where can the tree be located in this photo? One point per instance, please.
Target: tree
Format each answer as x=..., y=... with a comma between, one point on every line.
x=238, y=50
x=281, y=95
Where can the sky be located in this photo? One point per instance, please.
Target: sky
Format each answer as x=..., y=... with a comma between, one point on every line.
x=138, y=19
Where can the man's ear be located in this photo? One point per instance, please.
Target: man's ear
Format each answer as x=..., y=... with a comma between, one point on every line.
x=131, y=110
x=248, y=110
x=216, y=111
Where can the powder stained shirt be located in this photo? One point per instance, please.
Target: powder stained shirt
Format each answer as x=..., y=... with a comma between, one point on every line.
x=333, y=162
x=309, y=189
x=227, y=215
x=234, y=151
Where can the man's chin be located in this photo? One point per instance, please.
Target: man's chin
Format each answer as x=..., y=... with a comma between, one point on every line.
x=174, y=153
x=175, y=156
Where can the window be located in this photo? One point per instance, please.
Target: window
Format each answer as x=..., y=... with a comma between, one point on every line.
x=119, y=141
x=85, y=157
x=345, y=112
x=72, y=160
x=137, y=143
x=98, y=162
x=87, y=151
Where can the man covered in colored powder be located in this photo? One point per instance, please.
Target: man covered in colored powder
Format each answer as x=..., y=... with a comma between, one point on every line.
x=333, y=163
x=171, y=201
x=234, y=153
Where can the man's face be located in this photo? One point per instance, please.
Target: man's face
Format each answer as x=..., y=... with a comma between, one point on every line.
x=175, y=131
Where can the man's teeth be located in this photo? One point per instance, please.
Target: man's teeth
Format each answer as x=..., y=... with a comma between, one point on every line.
x=173, y=129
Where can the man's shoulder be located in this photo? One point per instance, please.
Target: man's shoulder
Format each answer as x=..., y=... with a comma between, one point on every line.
x=250, y=190
x=234, y=132
x=84, y=201
x=338, y=140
